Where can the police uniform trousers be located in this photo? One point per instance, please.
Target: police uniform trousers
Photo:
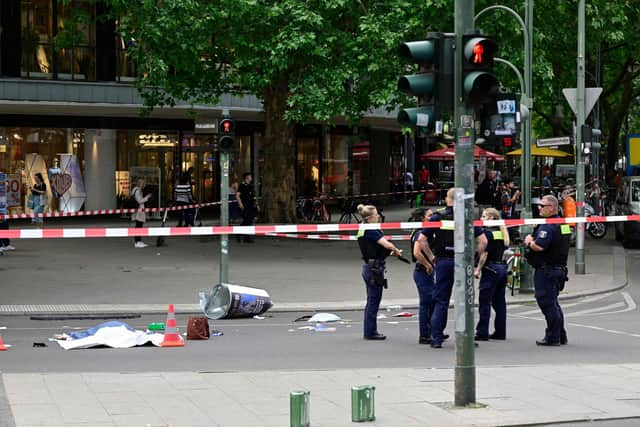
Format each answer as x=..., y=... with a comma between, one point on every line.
x=547, y=282
x=493, y=283
x=374, y=296
x=441, y=295
x=424, y=283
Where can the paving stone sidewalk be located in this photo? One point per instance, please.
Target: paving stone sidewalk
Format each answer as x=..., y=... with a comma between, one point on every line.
x=506, y=396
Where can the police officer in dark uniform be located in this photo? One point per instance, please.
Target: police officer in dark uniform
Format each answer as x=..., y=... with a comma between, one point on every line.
x=492, y=242
x=375, y=248
x=548, y=252
x=422, y=275
x=441, y=254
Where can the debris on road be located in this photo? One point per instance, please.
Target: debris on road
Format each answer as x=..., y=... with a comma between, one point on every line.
x=324, y=318
x=403, y=314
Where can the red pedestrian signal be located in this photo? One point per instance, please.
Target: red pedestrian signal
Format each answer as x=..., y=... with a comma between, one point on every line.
x=226, y=133
x=507, y=141
x=478, y=50
x=479, y=84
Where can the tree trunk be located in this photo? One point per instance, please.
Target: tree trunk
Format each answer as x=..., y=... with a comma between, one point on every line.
x=278, y=182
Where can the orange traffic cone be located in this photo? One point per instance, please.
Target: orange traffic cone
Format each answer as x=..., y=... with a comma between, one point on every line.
x=171, y=337
x=2, y=346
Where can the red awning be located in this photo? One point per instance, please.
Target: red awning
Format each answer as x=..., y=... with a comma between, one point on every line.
x=449, y=153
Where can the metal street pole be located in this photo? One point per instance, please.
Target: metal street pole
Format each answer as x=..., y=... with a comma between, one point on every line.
x=526, y=99
x=580, y=266
x=465, y=371
x=526, y=281
x=224, y=211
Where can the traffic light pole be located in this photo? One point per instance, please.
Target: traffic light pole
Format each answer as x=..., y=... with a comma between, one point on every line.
x=465, y=371
x=224, y=216
x=580, y=265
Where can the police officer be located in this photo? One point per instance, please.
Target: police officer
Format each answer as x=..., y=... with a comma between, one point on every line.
x=440, y=250
x=422, y=275
x=492, y=272
x=375, y=248
x=548, y=251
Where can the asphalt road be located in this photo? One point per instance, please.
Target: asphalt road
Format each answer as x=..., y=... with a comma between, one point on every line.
x=602, y=329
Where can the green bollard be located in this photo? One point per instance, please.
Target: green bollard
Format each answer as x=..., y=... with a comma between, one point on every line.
x=363, y=403
x=418, y=200
x=299, y=408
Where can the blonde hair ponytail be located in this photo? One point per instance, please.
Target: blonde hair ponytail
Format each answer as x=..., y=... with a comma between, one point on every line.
x=494, y=214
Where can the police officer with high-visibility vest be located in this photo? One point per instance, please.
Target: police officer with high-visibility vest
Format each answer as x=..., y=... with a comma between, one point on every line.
x=375, y=248
x=548, y=249
x=440, y=250
x=492, y=272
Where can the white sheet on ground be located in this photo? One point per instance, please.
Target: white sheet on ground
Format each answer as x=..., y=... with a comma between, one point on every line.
x=113, y=334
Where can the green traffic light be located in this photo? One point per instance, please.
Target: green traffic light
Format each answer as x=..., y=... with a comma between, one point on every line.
x=412, y=117
x=419, y=51
x=417, y=84
x=479, y=86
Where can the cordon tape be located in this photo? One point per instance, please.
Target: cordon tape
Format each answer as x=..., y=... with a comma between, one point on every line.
x=75, y=233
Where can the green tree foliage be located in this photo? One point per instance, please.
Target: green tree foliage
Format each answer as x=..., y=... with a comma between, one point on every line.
x=309, y=61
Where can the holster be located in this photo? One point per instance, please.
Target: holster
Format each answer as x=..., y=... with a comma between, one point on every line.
x=376, y=273
x=562, y=280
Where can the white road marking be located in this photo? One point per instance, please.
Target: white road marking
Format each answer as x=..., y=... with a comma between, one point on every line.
x=584, y=301
x=598, y=310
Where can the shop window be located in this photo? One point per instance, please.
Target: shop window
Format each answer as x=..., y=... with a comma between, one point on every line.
x=308, y=166
x=335, y=162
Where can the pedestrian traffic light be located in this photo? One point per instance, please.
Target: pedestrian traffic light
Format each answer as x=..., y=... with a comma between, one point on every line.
x=226, y=133
x=479, y=84
x=432, y=85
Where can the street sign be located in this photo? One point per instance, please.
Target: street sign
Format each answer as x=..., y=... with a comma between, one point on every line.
x=591, y=95
x=552, y=142
x=507, y=106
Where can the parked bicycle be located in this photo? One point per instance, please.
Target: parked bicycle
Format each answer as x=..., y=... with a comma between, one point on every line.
x=313, y=211
x=349, y=212
x=514, y=260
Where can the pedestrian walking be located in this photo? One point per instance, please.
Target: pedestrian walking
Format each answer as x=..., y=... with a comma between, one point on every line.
x=245, y=197
x=183, y=196
x=492, y=272
x=548, y=249
x=39, y=197
x=408, y=187
x=441, y=255
x=374, y=248
x=140, y=216
x=422, y=275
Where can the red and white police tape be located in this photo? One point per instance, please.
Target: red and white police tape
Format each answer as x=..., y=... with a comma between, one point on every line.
x=64, y=233
x=104, y=211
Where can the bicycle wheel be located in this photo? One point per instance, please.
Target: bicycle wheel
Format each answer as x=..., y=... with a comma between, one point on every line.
x=344, y=218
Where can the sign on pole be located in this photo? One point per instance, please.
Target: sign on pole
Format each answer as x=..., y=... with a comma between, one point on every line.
x=552, y=142
x=591, y=96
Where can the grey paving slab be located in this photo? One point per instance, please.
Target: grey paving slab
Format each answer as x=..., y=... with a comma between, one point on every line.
x=403, y=397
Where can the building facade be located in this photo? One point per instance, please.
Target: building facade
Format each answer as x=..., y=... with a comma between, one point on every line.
x=75, y=112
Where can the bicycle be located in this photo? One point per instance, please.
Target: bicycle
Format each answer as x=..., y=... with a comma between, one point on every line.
x=319, y=211
x=349, y=212
x=514, y=261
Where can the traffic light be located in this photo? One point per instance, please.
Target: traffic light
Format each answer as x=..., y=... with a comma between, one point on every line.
x=226, y=133
x=479, y=84
x=432, y=85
